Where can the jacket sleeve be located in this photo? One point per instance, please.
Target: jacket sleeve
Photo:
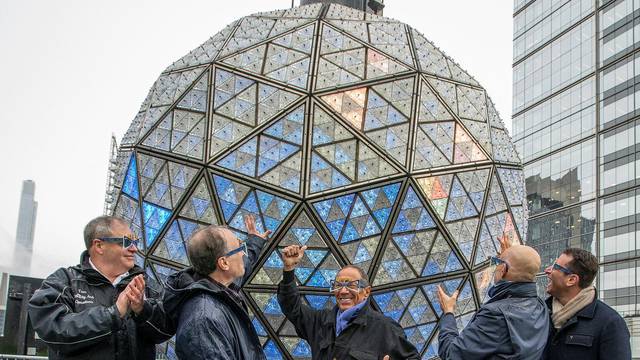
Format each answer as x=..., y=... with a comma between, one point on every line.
x=201, y=336
x=254, y=246
x=51, y=310
x=153, y=324
x=403, y=348
x=301, y=315
x=614, y=340
x=477, y=340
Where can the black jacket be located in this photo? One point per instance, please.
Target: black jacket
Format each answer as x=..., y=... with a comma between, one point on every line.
x=595, y=332
x=371, y=335
x=211, y=321
x=510, y=325
x=74, y=313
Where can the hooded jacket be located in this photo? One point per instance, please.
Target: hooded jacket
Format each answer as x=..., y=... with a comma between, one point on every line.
x=512, y=324
x=74, y=313
x=211, y=321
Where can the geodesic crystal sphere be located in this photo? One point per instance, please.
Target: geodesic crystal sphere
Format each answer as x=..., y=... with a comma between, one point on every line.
x=349, y=133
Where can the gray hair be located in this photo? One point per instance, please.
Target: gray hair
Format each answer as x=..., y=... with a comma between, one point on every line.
x=205, y=247
x=363, y=275
x=100, y=227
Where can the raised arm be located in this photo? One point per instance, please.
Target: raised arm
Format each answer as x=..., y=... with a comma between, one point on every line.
x=304, y=318
x=255, y=243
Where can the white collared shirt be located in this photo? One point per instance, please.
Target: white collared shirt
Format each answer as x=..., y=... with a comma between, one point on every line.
x=116, y=281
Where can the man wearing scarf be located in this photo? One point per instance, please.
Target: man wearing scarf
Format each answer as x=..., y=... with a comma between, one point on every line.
x=349, y=330
x=511, y=324
x=582, y=327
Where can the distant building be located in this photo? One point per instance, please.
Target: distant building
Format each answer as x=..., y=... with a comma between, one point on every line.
x=26, y=229
x=576, y=125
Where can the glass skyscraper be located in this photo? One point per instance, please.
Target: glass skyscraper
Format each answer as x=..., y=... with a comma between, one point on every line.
x=25, y=230
x=576, y=101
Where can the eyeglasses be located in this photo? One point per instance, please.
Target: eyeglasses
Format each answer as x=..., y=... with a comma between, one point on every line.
x=559, y=267
x=124, y=241
x=495, y=261
x=353, y=286
x=242, y=247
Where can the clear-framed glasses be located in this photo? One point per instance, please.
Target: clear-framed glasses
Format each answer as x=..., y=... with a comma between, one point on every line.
x=242, y=247
x=125, y=241
x=353, y=286
x=559, y=267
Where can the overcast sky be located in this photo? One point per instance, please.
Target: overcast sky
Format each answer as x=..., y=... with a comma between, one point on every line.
x=74, y=71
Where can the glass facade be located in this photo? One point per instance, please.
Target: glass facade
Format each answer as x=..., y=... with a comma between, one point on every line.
x=579, y=138
x=346, y=132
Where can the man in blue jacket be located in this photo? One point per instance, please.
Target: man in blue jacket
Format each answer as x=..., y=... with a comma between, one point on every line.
x=205, y=303
x=511, y=324
x=582, y=327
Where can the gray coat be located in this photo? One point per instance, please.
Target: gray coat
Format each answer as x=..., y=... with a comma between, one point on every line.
x=512, y=324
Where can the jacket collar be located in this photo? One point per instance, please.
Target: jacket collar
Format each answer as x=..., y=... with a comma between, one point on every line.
x=587, y=312
x=508, y=289
x=187, y=283
x=85, y=268
x=361, y=319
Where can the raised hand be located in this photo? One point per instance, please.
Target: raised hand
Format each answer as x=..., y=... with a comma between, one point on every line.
x=447, y=303
x=505, y=243
x=250, y=223
x=292, y=255
x=122, y=302
x=135, y=294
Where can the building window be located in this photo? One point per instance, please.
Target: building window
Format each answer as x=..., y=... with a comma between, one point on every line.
x=619, y=30
x=561, y=179
x=552, y=233
x=561, y=120
x=620, y=158
x=543, y=20
x=566, y=60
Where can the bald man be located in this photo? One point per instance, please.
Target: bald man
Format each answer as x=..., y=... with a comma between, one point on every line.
x=512, y=324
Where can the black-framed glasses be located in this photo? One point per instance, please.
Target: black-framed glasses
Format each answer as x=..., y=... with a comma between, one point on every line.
x=353, y=286
x=495, y=261
x=124, y=241
x=242, y=247
x=559, y=267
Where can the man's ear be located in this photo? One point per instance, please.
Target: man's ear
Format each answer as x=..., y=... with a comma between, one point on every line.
x=573, y=280
x=367, y=291
x=98, y=246
x=222, y=264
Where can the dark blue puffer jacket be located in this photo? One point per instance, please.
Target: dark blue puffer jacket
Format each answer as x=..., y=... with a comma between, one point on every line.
x=512, y=324
x=209, y=322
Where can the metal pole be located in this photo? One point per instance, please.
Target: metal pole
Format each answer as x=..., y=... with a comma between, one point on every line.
x=22, y=325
